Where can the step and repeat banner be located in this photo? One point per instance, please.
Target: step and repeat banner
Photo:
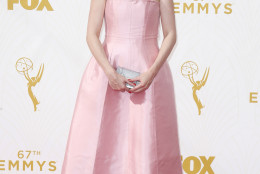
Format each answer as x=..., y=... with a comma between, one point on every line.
x=215, y=65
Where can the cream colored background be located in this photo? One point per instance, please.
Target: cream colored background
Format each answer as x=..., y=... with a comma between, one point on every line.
x=228, y=128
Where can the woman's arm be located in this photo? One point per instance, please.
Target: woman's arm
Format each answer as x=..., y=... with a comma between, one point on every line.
x=95, y=21
x=169, y=33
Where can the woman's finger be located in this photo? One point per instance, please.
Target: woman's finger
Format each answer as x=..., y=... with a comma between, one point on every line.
x=137, y=87
x=139, y=90
x=129, y=82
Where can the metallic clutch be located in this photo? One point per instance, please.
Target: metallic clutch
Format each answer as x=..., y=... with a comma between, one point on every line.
x=128, y=74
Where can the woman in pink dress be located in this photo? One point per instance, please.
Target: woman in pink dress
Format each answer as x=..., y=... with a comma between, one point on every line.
x=114, y=129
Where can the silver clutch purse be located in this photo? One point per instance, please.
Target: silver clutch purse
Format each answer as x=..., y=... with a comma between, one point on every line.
x=127, y=73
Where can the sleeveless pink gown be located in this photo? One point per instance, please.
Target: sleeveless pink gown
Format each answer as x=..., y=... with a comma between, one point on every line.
x=114, y=132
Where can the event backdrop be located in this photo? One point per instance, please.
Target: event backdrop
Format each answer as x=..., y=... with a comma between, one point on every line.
x=215, y=65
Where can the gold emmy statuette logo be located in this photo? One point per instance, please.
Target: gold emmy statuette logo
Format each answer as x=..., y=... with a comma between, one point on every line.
x=188, y=69
x=23, y=65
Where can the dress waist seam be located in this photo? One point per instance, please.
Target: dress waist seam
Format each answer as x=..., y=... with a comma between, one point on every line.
x=132, y=37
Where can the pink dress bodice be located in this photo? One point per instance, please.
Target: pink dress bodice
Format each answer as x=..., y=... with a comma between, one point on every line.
x=131, y=33
x=132, y=18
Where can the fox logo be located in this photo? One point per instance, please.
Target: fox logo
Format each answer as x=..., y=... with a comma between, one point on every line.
x=35, y=4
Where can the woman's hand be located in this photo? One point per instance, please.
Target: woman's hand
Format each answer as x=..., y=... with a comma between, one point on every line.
x=145, y=79
x=117, y=82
